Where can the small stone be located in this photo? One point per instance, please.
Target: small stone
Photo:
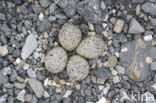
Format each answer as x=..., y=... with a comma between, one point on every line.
x=118, y=26
x=29, y=46
x=77, y=68
x=46, y=81
x=26, y=66
x=148, y=38
x=67, y=93
x=135, y=27
x=120, y=69
x=112, y=61
x=91, y=26
x=153, y=66
x=56, y=60
x=21, y=95
x=8, y=85
x=3, y=78
x=28, y=97
x=20, y=85
x=114, y=72
x=6, y=71
x=148, y=59
x=46, y=94
x=44, y=3
x=31, y=73
x=18, y=60
x=3, y=50
x=45, y=25
x=91, y=47
x=52, y=8
x=41, y=17
x=150, y=8
x=102, y=100
x=46, y=12
x=62, y=82
x=36, y=55
x=37, y=87
x=116, y=79
x=69, y=36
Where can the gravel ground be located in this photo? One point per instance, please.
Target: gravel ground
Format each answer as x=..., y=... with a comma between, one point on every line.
x=112, y=44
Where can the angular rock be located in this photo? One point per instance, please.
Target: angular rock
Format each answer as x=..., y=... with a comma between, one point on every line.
x=135, y=27
x=56, y=60
x=3, y=78
x=36, y=87
x=45, y=25
x=44, y=3
x=91, y=47
x=29, y=46
x=77, y=68
x=133, y=57
x=21, y=95
x=150, y=8
x=91, y=11
x=31, y=73
x=101, y=73
x=116, y=79
x=69, y=6
x=69, y=36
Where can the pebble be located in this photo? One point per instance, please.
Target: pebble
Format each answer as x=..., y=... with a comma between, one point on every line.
x=118, y=26
x=145, y=7
x=6, y=71
x=112, y=61
x=3, y=50
x=149, y=97
x=91, y=26
x=41, y=17
x=36, y=55
x=37, y=87
x=114, y=72
x=44, y=3
x=45, y=25
x=120, y=69
x=67, y=93
x=29, y=46
x=31, y=73
x=28, y=97
x=116, y=79
x=52, y=8
x=20, y=85
x=102, y=100
x=148, y=38
x=46, y=94
x=135, y=27
x=26, y=66
x=46, y=81
x=21, y=95
x=153, y=66
x=3, y=98
x=3, y=78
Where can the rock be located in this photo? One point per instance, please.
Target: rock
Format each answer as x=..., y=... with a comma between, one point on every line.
x=20, y=85
x=152, y=21
x=101, y=73
x=150, y=8
x=21, y=95
x=67, y=93
x=31, y=73
x=148, y=37
x=120, y=69
x=44, y=3
x=98, y=28
x=91, y=47
x=45, y=25
x=28, y=97
x=77, y=68
x=118, y=26
x=41, y=17
x=3, y=78
x=69, y=36
x=135, y=27
x=116, y=79
x=135, y=59
x=29, y=46
x=91, y=11
x=3, y=50
x=37, y=87
x=69, y=6
x=112, y=61
x=6, y=71
x=2, y=16
x=153, y=66
x=138, y=1
x=52, y=8
x=102, y=100
x=56, y=60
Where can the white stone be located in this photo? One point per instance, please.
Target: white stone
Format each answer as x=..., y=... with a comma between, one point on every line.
x=91, y=26
x=29, y=46
x=101, y=87
x=148, y=37
x=102, y=100
x=46, y=94
x=118, y=26
x=46, y=81
x=18, y=60
x=116, y=79
x=26, y=67
x=3, y=50
x=114, y=72
x=67, y=93
x=6, y=70
x=104, y=25
x=31, y=73
x=124, y=49
x=41, y=17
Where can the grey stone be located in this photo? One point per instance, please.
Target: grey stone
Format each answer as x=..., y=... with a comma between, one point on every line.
x=52, y=8
x=3, y=78
x=28, y=97
x=134, y=56
x=138, y=1
x=6, y=71
x=8, y=85
x=150, y=8
x=69, y=6
x=116, y=79
x=37, y=9
x=153, y=66
x=44, y=3
x=102, y=73
x=52, y=18
x=135, y=27
x=152, y=21
x=37, y=87
x=45, y=25
x=90, y=10
x=2, y=16
x=3, y=98
x=21, y=95
x=29, y=46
